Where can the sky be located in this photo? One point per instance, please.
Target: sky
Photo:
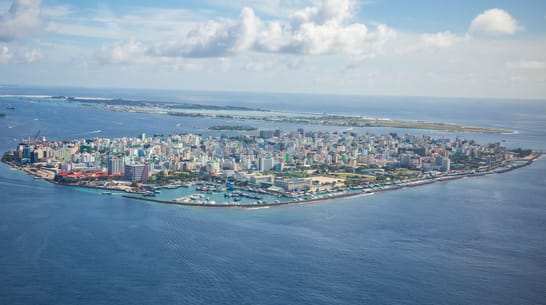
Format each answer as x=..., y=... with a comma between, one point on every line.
x=478, y=48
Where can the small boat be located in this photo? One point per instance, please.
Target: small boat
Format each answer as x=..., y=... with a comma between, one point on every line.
x=106, y=193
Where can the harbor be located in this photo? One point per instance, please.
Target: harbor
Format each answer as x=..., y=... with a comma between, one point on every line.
x=252, y=199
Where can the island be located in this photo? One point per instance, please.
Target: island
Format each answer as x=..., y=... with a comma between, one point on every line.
x=144, y=104
x=187, y=109
x=232, y=128
x=273, y=168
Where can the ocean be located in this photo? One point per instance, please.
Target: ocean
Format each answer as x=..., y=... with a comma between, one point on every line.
x=471, y=241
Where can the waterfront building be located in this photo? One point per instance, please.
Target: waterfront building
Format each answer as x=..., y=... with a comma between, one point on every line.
x=136, y=172
x=37, y=155
x=295, y=184
x=260, y=180
x=115, y=166
x=446, y=164
x=27, y=152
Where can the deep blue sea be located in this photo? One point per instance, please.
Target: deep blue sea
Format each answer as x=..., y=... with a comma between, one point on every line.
x=472, y=241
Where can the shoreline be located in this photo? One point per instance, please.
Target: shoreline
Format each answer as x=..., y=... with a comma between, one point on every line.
x=249, y=114
x=365, y=191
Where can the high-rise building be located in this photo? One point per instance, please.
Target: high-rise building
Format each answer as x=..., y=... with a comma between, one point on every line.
x=446, y=164
x=265, y=164
x=27, y=152
x=266, y=134
x=136, y=172
x=115, y=166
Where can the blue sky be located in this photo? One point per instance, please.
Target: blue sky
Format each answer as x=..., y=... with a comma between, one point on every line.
x=376, y=47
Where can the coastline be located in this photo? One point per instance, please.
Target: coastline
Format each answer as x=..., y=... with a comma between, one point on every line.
x=258, y=114
x=365, y=191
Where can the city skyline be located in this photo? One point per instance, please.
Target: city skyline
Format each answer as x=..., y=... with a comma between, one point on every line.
x=470, y=48
x=295, y=165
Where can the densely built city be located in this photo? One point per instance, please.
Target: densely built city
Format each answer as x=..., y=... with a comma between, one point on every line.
x=273, y=161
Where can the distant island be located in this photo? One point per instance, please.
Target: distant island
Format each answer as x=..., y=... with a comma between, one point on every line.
x=246, y=113
x=274, y=168
x=232, y=128
x=142, y=103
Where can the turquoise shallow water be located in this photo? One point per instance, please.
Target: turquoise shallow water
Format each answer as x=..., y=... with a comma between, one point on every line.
x=470, y=241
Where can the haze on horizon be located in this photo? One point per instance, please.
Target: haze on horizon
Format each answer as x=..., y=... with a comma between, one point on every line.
x=427, y=48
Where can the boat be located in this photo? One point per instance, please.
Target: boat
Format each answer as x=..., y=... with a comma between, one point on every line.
x=10, y=107
x=106, y=193
x=196, y=196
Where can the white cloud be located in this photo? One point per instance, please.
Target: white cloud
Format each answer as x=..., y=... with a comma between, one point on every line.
x=245, y=31
x=324, y=29
x=196, y=65
x=23, y=19
x=315, y=30
x=32, y=56
x=495, y=21
x=147, y=23
x=124, y=53
x=439, y=40
x=527, y=65
x=5, y=55
x=214, y=39
x=131, y=52
x=273, y=37
x=265, y=62
x=19, y=55
x=336, y=11
x=272, y=8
